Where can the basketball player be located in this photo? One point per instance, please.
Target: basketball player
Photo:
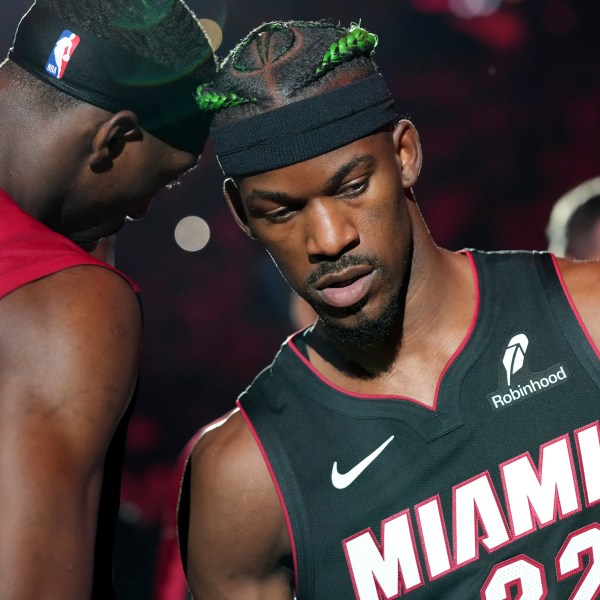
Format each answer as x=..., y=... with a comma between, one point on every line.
x=89, y=135
x=435, y=434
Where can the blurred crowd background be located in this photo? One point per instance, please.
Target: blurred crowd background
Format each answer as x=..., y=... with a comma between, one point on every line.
x=506, y=97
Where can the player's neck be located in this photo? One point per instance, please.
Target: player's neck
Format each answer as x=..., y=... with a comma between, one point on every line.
x=438, y=312
x=21, y=158
x=32, y=172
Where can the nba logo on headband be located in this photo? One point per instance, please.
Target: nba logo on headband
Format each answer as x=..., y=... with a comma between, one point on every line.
x=61, y=54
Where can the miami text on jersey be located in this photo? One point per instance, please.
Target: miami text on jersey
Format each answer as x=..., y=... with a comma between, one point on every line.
x=534, y=497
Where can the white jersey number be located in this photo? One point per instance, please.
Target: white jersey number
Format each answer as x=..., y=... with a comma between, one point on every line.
x=526, y=574
x=528, y=577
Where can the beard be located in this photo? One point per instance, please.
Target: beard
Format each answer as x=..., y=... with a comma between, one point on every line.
x=365, y=333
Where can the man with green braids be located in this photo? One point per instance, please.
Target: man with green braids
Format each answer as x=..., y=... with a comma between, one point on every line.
x=434, y=434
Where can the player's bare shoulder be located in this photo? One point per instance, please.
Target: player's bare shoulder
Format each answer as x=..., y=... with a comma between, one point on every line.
x=73, y=300
x=71, y=340
x=237, y=540
x=582, y=281
x=228, y=460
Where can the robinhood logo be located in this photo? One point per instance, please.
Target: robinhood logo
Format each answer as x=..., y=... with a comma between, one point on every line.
x=514, y=355
x=515, y=381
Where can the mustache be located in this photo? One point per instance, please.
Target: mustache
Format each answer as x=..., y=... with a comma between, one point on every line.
x=348, y=260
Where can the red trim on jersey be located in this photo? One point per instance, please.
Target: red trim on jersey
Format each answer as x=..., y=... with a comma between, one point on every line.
x=467, y=337
x=573, y=307
x=474, y=317
x=279, y=493
x=30, y=250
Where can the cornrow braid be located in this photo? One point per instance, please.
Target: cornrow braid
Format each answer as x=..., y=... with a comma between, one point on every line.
x=284, y=61
x=357, y=42
x=210, y=100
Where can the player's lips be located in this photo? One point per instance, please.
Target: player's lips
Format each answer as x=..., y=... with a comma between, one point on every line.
x=346, y=288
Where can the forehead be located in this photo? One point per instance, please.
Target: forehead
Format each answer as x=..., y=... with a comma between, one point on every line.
x=322, y=170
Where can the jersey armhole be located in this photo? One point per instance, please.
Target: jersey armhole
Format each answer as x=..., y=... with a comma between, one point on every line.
x=302, y=579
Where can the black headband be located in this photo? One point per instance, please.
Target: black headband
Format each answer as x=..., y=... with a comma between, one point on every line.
x=110, y=77
x=304, y=129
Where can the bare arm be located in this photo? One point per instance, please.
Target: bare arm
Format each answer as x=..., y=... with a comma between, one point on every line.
x=68, y=363
x=238, y=541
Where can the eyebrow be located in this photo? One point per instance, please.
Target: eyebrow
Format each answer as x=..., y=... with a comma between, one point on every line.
x=334, y=181
x=274, y=196
x=339, y=175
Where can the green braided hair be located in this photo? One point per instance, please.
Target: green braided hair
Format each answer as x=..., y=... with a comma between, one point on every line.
x=357, y=42
x=283, y=61
x=210, y=100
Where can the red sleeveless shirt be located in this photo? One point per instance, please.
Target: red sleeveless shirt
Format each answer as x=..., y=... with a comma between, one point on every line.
x=29, y=250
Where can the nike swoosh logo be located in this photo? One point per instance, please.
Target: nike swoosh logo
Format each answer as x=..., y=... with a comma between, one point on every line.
x=343, y=480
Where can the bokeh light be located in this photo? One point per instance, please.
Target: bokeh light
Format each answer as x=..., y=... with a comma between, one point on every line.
x=468, y=9
x=213, y=32
x=192, y=234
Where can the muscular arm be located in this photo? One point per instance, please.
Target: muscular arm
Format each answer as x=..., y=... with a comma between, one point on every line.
x=68, y=363
x=237, y=540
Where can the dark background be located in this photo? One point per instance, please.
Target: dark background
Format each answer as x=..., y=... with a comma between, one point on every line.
x=507, y=106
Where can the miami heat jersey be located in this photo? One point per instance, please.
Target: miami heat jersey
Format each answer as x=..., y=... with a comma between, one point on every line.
x=29, y=251
x=493, y=493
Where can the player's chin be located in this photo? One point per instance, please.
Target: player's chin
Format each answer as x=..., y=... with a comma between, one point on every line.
x=342, y=317
x=366, y=327
x=88, y=240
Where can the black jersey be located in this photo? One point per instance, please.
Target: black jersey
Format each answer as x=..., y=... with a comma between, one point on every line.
x=493, y=493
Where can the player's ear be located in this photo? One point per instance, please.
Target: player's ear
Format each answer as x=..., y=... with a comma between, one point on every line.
x=110, y=139
x=236, y=206
x=408, y=152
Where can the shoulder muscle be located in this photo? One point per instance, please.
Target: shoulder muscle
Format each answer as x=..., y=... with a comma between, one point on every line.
x=69, y=354
x=237, y=536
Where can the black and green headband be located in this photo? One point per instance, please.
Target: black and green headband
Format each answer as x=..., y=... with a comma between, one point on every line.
x=110, y=77
x=304, y=129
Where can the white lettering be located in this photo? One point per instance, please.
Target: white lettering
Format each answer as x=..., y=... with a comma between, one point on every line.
x=588, y=444
x=535, y=496
x=531, y=495
x=433, y=536
x=390, y=571
x=521, y=391
x=476, y=504
x=497, y=399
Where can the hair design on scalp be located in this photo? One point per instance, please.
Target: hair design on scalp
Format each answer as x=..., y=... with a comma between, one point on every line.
x=281, y=62
x=357, y=42
x=208, y=100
